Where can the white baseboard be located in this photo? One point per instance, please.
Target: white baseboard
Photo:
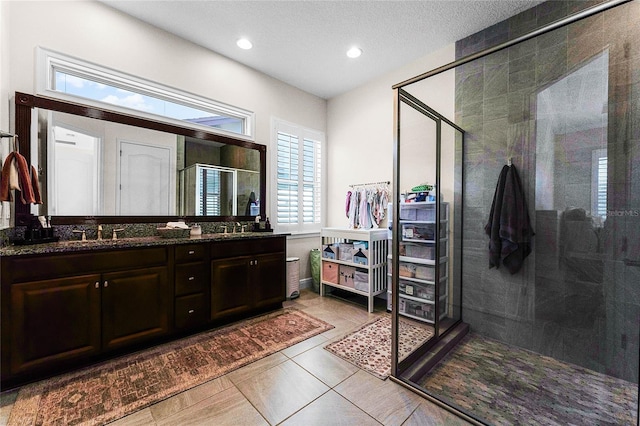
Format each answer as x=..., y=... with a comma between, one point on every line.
x=306, y=283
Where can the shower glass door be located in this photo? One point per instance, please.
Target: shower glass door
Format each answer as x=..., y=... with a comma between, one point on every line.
x=427, y=220
x=556, y=340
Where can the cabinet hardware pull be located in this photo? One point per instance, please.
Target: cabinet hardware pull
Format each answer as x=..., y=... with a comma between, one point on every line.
x=192, y=278
x=192, y=252
x=106, y=284
x=97, y=284
x=191, y=311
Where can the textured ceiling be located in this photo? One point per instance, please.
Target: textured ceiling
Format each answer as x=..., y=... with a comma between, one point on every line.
x=303, y=43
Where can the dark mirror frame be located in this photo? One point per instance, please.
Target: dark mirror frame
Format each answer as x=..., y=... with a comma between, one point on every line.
x=24, y=104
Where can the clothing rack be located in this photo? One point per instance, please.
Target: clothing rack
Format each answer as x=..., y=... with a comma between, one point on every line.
x=385, y=182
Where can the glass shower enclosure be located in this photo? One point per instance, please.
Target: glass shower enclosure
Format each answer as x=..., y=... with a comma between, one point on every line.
x=557, y=341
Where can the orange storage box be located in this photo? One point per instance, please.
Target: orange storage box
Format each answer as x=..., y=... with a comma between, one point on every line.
x=330, y=272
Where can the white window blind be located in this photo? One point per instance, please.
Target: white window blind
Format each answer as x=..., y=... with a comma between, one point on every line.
x=298, y=207
x=599, y=183
x=208, y=190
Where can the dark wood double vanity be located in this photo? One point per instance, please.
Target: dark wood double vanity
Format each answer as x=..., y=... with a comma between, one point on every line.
x=69, y=304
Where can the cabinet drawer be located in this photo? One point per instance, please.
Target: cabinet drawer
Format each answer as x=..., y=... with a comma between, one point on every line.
x=191, y=310
x=247, y=247
x=190, y=252
x=191, y=278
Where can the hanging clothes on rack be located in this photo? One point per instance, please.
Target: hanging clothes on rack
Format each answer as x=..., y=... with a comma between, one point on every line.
x=509, y=227
x=366, y=205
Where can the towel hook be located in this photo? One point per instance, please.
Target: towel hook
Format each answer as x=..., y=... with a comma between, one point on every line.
x=510, y=161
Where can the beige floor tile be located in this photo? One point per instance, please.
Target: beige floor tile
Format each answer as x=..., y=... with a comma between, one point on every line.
x=228, y=407
x=281, y=391
x=139, y=418
x=327, y=367
x=304, y=346
x=185, y=399
x=429, y=414
x=384, y=400
x=256, y=368
x=330, y=409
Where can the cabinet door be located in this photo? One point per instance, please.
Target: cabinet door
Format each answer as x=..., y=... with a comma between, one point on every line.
x=135, y=306
x=230, y=289
x=269, y=279
x=54, y=321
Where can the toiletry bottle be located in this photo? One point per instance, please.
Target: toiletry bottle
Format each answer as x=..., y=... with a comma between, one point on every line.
x=267, y=225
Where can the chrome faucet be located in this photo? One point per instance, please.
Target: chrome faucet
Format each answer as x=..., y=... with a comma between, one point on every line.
x=84, y=234
x=114, y=235
x=234, y=226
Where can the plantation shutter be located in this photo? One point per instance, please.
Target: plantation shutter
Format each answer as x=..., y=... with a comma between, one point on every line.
x=298, y=179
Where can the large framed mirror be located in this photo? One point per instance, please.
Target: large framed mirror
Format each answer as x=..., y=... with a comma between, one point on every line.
x=98, y=165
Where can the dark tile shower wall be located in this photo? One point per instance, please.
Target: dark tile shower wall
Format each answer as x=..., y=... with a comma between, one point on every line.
x=588, y=318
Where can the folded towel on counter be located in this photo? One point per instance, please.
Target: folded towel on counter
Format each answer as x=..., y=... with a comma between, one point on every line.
x=177, y=225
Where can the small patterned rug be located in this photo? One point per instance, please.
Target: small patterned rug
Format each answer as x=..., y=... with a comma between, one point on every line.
x=369, y=347
x=113, y=389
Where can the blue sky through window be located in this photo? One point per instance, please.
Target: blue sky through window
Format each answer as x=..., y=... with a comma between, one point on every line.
x=89, y=89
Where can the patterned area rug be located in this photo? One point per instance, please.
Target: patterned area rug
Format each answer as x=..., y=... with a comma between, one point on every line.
x=369, y=347
x=506, y=385
x=113, y=389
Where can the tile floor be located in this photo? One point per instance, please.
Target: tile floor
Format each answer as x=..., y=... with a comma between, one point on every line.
x=301, y=385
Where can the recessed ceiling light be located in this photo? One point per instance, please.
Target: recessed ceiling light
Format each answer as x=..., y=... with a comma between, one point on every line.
x=245, y=44
x=354, y=52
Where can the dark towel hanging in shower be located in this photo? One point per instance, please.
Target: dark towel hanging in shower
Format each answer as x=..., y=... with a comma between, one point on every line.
x=509, y=227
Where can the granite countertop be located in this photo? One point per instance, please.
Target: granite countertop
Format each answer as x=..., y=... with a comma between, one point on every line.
x=108, y=244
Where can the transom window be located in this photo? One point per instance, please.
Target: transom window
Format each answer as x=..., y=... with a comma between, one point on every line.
x=65, y=77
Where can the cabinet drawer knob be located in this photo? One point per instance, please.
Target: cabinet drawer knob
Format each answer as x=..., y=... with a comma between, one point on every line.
x=97, y=284
x=192, y=278
x=106, y=284
x=191, y=311
x=192, y=252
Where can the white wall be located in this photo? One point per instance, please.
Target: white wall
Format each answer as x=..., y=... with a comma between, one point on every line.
x=94, y=32
x=358, y=124
x=360, y=128
x=5, y=122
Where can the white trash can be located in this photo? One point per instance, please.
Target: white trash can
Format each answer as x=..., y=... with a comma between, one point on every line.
x=293, y=277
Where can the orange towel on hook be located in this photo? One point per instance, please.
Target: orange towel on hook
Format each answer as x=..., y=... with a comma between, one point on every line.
x=25, y=181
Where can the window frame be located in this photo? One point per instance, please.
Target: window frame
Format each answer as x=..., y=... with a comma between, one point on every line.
x=48, y=62
x=300, y=228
